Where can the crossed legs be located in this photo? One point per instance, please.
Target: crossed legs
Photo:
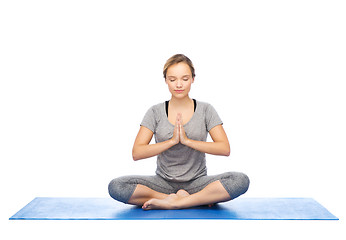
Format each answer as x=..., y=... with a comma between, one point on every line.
x=150, y=199
x=154, y=192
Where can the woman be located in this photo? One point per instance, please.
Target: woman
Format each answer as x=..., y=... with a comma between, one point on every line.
x=180, y=127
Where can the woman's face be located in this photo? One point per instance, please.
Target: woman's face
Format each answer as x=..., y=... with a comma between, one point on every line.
x=179, y=79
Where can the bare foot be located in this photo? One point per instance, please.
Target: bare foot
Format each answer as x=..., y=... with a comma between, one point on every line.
x=167, y=203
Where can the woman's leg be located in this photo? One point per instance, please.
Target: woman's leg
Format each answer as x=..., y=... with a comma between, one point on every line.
x=143, y=193
x=206, y=190
x=138, y=189
x=212, y=193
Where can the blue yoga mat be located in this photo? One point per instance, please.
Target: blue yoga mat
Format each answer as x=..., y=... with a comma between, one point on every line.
x=109, y=209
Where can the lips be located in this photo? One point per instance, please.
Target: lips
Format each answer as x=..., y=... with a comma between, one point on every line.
x=178, y=91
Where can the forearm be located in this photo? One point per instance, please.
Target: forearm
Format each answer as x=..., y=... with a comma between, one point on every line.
x=215, y=148
x=150, y=150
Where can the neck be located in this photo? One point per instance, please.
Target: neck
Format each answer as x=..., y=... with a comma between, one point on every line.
x=180, y=101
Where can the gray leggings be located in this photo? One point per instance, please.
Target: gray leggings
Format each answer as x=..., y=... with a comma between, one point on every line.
x=122, y=188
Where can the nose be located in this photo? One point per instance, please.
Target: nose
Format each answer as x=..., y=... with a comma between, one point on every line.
x=179, y=84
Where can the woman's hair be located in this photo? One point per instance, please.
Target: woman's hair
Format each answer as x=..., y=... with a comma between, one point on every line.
x=178, y=58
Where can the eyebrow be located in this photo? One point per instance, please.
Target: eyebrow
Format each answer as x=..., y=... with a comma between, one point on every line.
x=176, y=77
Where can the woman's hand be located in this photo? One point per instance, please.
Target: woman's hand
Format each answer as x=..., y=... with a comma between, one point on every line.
x=182, y=135
x=179, y=134
x=176, y=135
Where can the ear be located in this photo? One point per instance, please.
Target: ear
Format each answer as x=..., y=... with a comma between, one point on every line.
x=193, y=79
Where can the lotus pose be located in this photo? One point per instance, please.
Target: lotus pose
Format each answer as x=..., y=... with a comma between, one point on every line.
x=180, y=127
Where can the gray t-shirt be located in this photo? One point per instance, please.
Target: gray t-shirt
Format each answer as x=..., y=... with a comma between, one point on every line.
x=181, y=163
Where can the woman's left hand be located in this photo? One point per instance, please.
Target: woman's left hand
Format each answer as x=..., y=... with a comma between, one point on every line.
x=182, y=135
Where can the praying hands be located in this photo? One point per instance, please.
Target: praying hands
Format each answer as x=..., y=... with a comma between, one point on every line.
x=179, y=134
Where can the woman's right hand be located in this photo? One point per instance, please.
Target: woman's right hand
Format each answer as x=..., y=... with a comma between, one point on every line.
x=175, y=139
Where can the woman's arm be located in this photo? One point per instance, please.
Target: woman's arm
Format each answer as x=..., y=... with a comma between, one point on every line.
x=142, y=149
x=219, y=146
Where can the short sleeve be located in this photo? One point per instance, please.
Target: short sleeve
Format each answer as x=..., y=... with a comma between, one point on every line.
x=149, y=120
x=212, y=119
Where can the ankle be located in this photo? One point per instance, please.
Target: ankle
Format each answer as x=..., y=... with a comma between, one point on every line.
x=182, y=193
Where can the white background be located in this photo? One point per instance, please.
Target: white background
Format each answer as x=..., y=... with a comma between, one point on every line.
x=78, y=76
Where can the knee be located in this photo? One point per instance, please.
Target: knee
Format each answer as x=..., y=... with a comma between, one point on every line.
x=120, y=189
x=236, y=183
x=114, y=188
x=243, y=182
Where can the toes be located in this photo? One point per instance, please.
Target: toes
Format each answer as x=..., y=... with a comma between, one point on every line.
x=146, y=205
